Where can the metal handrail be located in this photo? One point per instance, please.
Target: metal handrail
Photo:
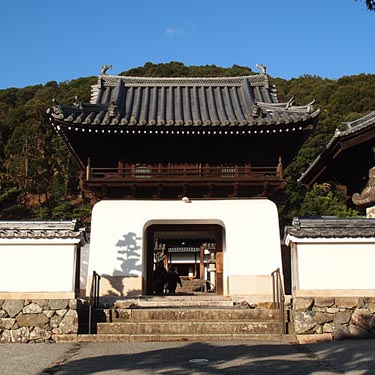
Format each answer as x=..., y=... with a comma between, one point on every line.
x=94, y=296
x=279, y=297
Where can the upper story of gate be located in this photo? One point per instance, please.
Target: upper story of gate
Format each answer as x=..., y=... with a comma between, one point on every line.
x=162, y=137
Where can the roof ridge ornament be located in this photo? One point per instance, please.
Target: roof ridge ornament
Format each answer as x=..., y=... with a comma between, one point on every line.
x=77, y=103
x=262, y=68
x=367, y=196
x=113, y=109
x=104, y=68
x=291, y=101
x=255, y=110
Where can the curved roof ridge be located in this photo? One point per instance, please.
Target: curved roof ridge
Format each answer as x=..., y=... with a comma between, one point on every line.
x=180, y=77
x=254, y=79
x=360, y=121
x=363, y=124
x=283, y=107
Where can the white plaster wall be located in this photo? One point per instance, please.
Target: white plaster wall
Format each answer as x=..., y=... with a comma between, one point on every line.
x=85, y=253
x=336, y=265
x=35, y=267
x=251, y=243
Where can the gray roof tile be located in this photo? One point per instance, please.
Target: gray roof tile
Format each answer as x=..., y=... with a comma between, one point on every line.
x=331, y=227
x=143, y=101
x=41, y=229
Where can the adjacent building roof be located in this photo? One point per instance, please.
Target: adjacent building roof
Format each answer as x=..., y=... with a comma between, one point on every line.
x=142, y=102
x=347, y=157
x=41, y=230
x=331, y=227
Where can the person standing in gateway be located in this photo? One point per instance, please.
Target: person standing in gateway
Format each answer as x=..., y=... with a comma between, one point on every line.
x=160, y=277
x=172, y=280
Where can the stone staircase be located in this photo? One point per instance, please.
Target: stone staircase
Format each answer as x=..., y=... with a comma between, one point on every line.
x=191, y=286
x=202, y=317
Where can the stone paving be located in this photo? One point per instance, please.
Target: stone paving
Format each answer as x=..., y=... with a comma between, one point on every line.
x=342, y=357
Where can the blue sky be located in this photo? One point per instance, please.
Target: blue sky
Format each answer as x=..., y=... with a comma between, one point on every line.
x=50, y=40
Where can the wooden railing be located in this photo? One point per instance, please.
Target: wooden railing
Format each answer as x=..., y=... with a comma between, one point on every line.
x=184, y=173
x=279, y=297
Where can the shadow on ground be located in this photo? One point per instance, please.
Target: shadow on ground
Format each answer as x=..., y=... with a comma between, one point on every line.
x=222, y=358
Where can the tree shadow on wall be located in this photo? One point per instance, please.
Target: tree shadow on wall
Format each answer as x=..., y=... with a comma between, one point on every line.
x=129, y=255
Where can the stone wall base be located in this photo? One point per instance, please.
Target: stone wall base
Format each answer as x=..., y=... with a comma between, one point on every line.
x=313, y=339
x=336, y=317
x=38, y=320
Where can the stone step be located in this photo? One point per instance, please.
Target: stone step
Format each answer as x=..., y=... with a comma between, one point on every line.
x=177, y=337
x=187, y=314
x=190, y=327
x=197, y=317
x=173, y=301
x=191, y=286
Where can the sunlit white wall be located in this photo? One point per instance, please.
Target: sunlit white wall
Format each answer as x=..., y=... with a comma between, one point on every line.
x=32, y=266
x=251, y=234
x=334, y=264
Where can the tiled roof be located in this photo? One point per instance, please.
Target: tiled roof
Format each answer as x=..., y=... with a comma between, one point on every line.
x=331, y=227
x=141, y=101
x=41, y=230
x=365, y=124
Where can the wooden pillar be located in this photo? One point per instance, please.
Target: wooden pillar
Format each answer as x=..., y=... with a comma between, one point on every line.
x=88, y=170
x=201, y=263
x=120, y=168
x=219, y=262
x=248, y=169
x=185, y=190
x=104, y=188
x=196, y=265
x=279, y=170
x=133, y=190
x=158, y=190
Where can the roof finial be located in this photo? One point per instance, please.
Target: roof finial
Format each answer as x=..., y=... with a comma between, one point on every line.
x=77, y=103
x=262, y=68
x=104, y=69
x=291, y=101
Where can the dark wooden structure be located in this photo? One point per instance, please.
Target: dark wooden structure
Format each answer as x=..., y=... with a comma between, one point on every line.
x=347, y=158
x=172, y=137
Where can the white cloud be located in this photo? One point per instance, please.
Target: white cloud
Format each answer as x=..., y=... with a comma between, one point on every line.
x=172, y=32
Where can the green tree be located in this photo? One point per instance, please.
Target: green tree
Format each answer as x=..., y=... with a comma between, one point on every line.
x=325, y=199
x=178, y=69
x=370, y=4
x=10, y=206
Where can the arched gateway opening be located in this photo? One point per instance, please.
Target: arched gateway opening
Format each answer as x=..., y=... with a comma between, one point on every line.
x=195, y=250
